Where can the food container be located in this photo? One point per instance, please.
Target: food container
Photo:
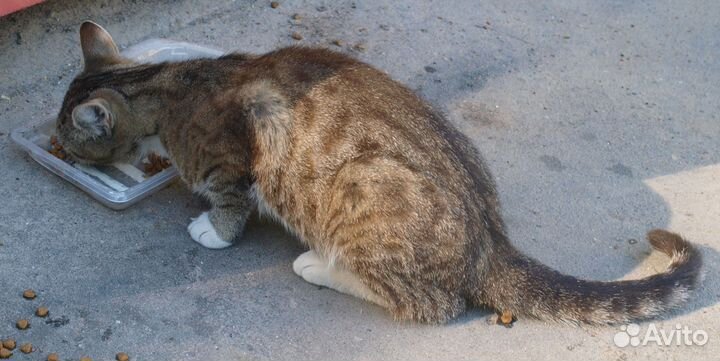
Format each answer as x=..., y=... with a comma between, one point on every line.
x=120, y=185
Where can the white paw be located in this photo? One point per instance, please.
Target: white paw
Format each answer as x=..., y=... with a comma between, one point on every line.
x=313, y=269
x=203, y=232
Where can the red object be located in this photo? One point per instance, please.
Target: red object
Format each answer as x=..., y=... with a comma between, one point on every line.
x=11, y=6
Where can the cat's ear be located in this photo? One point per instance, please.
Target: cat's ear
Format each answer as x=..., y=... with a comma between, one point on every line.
x=94, y=117
x=98, y=47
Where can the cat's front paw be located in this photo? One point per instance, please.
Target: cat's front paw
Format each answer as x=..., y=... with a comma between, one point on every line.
x=203, y=232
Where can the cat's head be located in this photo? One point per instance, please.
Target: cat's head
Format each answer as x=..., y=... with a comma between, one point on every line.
x=95, y=123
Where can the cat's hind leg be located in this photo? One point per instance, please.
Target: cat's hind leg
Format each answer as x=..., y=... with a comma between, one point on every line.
x=318, y=271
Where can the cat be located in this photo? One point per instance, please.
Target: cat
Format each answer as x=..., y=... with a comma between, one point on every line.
x=396, y=206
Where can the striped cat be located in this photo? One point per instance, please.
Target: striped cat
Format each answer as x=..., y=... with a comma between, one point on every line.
x=395, y=205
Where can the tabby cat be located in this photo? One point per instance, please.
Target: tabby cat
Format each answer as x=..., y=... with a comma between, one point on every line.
x=395, y=205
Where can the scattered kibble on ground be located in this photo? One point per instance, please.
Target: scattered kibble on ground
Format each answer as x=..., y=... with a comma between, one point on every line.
x=296, y=16
x=506, y=317
x=337, y=42
x=274, y=4
x=42, y=311
x=297, y=36
x=23, y=324
x=9, y=344
x=29, y=295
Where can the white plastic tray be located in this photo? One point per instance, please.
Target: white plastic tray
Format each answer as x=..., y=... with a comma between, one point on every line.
x=121, y=185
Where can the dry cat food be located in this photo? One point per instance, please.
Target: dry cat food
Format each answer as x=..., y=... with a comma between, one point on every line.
x=57, y=148
x=507, y=318
x=42, y=312
x=23, y=324
x=29, y=295
x=9, y=344
x=155, y=164
x=26, y=348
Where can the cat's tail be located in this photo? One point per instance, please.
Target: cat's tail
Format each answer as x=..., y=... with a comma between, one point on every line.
x=525, y=287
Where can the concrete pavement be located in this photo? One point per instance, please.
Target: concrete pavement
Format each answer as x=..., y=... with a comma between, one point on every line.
x=598, y=119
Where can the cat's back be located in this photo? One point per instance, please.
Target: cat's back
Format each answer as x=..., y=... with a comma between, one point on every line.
x=351, y=108
x=335, y=81
x=344, y=109
x=297, y=70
